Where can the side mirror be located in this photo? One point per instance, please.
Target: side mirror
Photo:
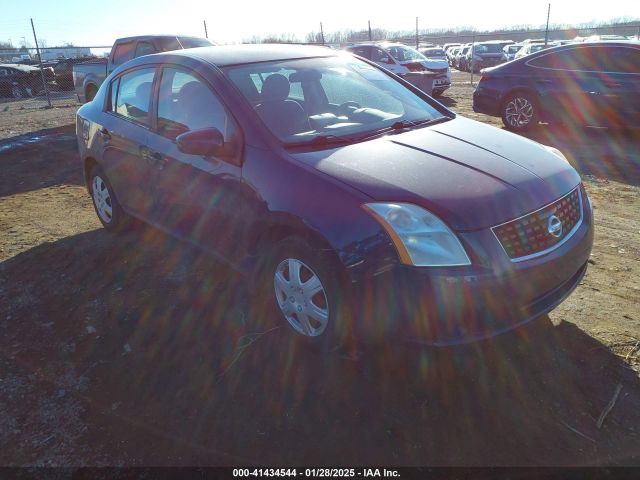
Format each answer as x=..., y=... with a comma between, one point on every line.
x=205, y=142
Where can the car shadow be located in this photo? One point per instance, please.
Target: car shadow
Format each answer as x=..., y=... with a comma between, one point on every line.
x=446, y=101
x=601, y=152
x=40, y=159
x=178, y=359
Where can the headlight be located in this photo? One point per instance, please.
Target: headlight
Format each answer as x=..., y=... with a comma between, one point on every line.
x=421, y=238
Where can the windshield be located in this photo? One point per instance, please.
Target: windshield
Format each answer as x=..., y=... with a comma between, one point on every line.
x=333, y=97
x=433, y=52
x=404, y=54
x=192, y=42
x=513, y=48
x=488, y=48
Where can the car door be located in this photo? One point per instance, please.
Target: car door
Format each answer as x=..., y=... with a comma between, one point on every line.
x=196, y=197
x=568, y=88
x=382, y=58
x=123, y=136
x=621, y=83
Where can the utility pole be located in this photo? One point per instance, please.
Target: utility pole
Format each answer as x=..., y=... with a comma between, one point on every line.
x=417, y=39
x=206, y=34
x=321, y=33
x=546, y=32
x=370, y=37
x=44, y=84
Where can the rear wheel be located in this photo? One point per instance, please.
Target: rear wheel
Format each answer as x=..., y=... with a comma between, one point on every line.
x=91, y=92
x=105, y=203
x=519, y=112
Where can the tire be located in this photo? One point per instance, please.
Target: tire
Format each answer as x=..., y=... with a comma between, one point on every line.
x=18, y=92
x=519, y=112
x=105, y=203
x=311, y=302
x=91, y=93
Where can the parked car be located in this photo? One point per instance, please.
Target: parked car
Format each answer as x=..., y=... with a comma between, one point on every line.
x=402, y=60
x=434, y=53
x=509, y=51
x=485, y=54
x=447, y=46
x=529, y=48
x=461, y=58
x=585, y=83
x=348, y=197
x=451, y=54
x=20, y=81
x=88, y=76
x=64, y=70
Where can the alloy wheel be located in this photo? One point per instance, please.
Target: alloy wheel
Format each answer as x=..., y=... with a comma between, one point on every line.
x=16, y=91
x=301, y=297
x=519, y=112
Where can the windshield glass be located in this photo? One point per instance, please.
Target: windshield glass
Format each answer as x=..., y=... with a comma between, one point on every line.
x=513, y=48
x=433, y=52
x=488, y=48
x=404, y=54
x=299, y=100
x=191, y=42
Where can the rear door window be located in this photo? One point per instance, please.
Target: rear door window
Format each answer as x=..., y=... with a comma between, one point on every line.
x=144, y=48
x=134, y=95
x=124, y=53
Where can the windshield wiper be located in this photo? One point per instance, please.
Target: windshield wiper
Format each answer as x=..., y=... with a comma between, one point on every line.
x=320, y=141
x=404, y=125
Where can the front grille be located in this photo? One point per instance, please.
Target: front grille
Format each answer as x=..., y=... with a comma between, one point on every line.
x=531, y=235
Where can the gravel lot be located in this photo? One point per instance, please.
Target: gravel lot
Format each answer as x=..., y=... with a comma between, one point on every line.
x=137, y=350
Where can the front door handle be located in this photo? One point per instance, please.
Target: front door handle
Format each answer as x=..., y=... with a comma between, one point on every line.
x=152, y=157
x=104, y=133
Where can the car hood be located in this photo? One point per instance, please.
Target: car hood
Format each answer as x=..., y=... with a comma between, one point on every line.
x=471, y=175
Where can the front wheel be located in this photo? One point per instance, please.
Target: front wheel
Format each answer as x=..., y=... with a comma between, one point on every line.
x=519, y=112
x=18, y=92
x=308, y=293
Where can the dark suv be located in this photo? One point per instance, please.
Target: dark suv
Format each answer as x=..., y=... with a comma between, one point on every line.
x=595, y=84
x=354, y=201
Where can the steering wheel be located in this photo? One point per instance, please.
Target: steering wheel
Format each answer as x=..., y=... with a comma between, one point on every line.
x=347, y=108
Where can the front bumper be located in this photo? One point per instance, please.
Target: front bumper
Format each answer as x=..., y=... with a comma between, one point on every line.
x=448, y=306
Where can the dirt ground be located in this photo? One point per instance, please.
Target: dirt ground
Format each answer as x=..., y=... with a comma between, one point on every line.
x=137, y=350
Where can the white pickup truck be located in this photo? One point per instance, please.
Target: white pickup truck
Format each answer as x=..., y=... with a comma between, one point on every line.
x=88, y=76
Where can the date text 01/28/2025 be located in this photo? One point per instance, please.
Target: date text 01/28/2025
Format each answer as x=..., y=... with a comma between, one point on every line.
x=315, y=472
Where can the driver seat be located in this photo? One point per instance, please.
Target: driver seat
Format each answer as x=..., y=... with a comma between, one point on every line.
x=283, y=116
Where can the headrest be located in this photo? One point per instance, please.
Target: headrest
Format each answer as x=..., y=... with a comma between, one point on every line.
x=275, y=87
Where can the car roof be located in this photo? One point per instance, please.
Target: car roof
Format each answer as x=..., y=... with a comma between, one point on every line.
x=154, y=37
x=223, y=56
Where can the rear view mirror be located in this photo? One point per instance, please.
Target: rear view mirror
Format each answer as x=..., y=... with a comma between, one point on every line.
x=205, y=142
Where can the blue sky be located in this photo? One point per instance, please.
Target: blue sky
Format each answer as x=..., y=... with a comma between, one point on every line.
x=99, y=23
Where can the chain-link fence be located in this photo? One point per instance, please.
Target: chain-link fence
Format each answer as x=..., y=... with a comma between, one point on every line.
x=28, y=83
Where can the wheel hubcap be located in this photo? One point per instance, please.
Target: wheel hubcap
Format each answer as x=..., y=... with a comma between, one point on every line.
x=519, y=112
x=301, y=297
x=16, y=92
x=102, y=199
